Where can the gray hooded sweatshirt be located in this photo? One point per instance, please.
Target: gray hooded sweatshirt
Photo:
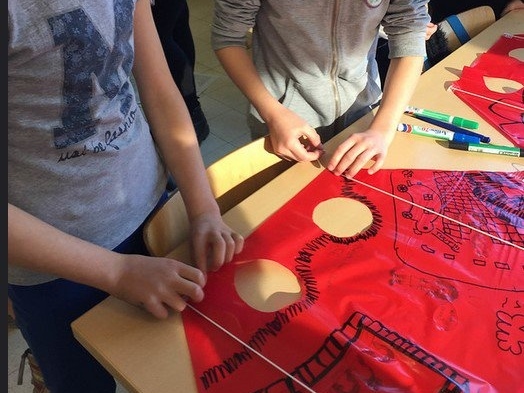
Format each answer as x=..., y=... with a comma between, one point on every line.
x=318, y=57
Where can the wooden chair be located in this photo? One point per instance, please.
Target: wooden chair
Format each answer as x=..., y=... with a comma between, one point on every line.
x=232, y=178
x=462, y=27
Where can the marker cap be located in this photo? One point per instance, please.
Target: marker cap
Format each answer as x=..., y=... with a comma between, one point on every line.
x=465, y=123
x=458, y=137
x=458, y=145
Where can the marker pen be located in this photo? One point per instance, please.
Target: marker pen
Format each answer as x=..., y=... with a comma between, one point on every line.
x=487, y=148
x=452, y=127
x=437, y=133
x=458, y=121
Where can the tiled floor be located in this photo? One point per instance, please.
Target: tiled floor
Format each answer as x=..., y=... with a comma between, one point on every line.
x=225, y=109
x=224, y=105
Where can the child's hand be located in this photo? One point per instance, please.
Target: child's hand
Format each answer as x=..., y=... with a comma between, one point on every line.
x=213, y=242
x=160, y=284
x=431, y=28
x=156, y=284
x=352, y=154
x=292, y=138
x=511, y=6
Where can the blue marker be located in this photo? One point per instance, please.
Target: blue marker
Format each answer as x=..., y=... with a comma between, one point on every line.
x=452, y=127
x=437, y=133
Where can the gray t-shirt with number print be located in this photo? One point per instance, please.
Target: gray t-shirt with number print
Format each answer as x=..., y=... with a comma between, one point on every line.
x=80, y=153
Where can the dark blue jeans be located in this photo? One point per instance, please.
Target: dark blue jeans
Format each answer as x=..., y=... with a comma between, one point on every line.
x=172, y=23
x=44, y=314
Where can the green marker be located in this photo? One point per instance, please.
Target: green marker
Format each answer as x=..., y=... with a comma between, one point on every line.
x=458, y=121
x=488, y=148
x=437, y=133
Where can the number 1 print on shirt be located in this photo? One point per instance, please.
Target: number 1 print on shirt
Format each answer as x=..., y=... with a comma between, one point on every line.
x=86, y=53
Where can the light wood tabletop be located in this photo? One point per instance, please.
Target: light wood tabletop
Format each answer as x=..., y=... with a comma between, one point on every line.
x=147, y=355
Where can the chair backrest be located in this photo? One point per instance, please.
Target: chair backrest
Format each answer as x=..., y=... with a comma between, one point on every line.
x=232, y=178
x=462, y=27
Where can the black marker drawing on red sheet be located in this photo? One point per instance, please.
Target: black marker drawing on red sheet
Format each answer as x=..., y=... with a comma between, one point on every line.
x=415, y=302
x=504, y=109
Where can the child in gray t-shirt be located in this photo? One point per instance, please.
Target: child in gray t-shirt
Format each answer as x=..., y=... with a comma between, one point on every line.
x=85, y=169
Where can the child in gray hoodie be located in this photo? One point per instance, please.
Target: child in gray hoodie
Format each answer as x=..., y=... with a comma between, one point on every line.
x=312, y=71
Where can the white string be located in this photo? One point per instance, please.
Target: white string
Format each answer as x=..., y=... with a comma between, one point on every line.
x=438, y=214
x=487, y=98
x=509, y=35
x=251, y=349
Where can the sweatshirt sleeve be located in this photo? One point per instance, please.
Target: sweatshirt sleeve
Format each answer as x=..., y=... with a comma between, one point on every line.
x=231, y=21
x=405, y=25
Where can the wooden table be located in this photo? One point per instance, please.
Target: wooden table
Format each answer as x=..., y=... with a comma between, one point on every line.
x=149, y=355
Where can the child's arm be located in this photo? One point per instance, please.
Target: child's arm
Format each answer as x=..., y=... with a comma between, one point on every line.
x=287, y=130
x=175, y=136
x=372, y=144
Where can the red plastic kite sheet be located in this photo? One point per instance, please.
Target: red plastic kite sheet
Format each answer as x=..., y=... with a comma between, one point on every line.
x=427, y=298
x=504, y=110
